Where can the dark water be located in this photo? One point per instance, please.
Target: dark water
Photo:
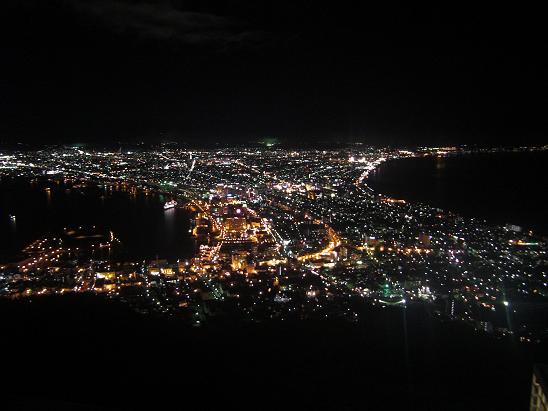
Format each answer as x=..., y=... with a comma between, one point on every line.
x=137, y=220
x=501, y=188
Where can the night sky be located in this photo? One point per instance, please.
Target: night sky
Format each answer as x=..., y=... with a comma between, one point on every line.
x=235, y=71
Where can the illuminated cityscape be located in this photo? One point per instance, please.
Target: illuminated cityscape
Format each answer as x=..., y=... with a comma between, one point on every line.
x=286, y=205
x=283, y=234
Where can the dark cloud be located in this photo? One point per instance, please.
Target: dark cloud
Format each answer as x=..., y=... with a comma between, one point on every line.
x=238, y=69
x=163, y=21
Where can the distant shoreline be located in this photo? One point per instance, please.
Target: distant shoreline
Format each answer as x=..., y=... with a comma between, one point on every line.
x=376, y=184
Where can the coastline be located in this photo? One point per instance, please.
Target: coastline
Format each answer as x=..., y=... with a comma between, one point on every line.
x=135, y=214
x=387, y=186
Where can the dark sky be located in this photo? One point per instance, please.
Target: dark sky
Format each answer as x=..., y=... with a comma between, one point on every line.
x=233, y=71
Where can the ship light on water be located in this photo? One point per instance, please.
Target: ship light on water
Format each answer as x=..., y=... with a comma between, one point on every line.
x=170, y=204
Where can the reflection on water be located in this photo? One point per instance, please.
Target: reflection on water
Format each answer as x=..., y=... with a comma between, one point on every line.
x=48, y=196
x=13, y=224
x=169, y=222
x=440, y=163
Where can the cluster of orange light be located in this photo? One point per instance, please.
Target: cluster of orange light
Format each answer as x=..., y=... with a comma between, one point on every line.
x=393, y=200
